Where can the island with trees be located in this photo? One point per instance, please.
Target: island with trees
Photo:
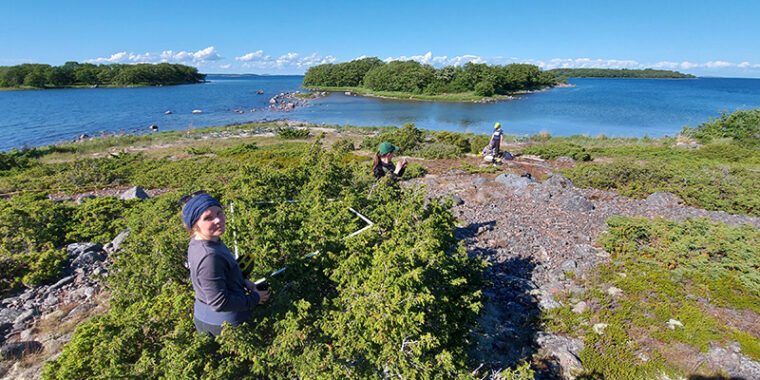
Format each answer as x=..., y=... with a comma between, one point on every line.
x=413, y=80
x=619, y=73
x=74, y=74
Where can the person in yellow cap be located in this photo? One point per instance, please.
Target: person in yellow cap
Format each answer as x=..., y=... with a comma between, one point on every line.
x=495, y=142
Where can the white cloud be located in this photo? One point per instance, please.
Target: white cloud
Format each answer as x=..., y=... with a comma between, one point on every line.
x=225, y=66
x=437, y=61
x=200, y=56
x=289, y=62
x=254, y=56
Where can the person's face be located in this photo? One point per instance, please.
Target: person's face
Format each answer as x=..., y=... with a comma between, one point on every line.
x=211, y=224
x=388, y=157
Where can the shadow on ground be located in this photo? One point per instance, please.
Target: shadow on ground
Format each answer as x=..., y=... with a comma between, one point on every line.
x=508, y=323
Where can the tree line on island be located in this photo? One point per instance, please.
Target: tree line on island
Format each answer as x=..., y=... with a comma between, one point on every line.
x=417, y=78
x=73, y=74
x=619, y=73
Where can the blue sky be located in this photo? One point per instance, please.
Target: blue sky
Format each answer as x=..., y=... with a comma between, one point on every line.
x=707, y=38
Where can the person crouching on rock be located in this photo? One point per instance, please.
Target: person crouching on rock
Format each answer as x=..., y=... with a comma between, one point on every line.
x=222, y=293
x=383, y=164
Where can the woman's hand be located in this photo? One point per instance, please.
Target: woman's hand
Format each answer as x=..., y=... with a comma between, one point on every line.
x=263, y=295
x=401, y=165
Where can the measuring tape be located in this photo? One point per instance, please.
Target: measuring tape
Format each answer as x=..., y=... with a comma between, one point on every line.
x=261, y=283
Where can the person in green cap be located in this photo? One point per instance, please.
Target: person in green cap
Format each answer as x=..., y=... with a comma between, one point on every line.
x=383, y=163
x=495, y=142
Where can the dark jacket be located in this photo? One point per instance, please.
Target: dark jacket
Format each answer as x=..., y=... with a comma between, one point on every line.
x=382, y=169
x=220, y=291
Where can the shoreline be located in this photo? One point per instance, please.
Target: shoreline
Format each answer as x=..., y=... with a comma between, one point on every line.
x=403, y=96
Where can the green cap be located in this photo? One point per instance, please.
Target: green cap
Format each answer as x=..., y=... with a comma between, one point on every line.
x=386, y=148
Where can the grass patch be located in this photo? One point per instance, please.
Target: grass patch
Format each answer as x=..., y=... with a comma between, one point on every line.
x=671, y=271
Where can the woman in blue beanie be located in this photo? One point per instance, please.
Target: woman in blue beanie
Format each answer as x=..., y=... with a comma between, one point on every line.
x=222, y=293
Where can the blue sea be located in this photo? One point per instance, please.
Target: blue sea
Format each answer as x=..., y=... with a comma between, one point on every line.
x=614, y=107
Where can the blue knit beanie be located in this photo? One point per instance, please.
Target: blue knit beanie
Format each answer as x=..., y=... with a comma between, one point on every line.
x=193, y=209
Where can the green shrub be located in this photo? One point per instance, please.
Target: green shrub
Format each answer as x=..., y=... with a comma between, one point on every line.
x=98, y=220
x=556, y=150
x=741, y=125
x=343, y=145
x=293, y=133
x=400, y=302
x=44, y=266
x=484, y=89
x=708, y=186
x=436, y=150
x=414, y=170
x=406, y=138
x=452, y=138
x=199, y=151
x=240, y=149
x=478, y=142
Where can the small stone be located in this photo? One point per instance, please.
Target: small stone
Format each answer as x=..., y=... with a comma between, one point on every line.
x=51, y=300
x=457, y=200
x=569, y=266
x=64, y=281
x=599, y=328
x=134, y=192
x=119, y=239
x=672, y=324
x=548, y=303
x=25, y=316
x=83, y=198
x=613, y=291
x=580, y=307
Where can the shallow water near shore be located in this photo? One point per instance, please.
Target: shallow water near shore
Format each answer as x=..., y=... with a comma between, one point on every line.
x=614, y=107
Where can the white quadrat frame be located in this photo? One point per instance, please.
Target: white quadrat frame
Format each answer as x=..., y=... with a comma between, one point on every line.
x=307, y=256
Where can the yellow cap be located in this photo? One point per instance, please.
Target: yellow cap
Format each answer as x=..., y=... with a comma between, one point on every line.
x=497, y=125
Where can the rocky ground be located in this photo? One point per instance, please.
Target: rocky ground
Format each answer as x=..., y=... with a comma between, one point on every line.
x=533, y=233
x=36, y=323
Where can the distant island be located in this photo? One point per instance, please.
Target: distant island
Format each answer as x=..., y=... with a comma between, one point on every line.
x=74, y=74
x=412, y=80
x=619, y=73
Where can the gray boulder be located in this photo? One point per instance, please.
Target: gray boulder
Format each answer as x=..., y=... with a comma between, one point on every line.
x=663, y=199
x=564, y=350
x=25, y=316
x=116, y=242
x=77, y=249
x=480, y=181
x=19, y=349
x=457, y=200
x=576, y=202
x=558, y=181
x=515, y=181
x=9, y=315
x=733, y=362
x=135, y=192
